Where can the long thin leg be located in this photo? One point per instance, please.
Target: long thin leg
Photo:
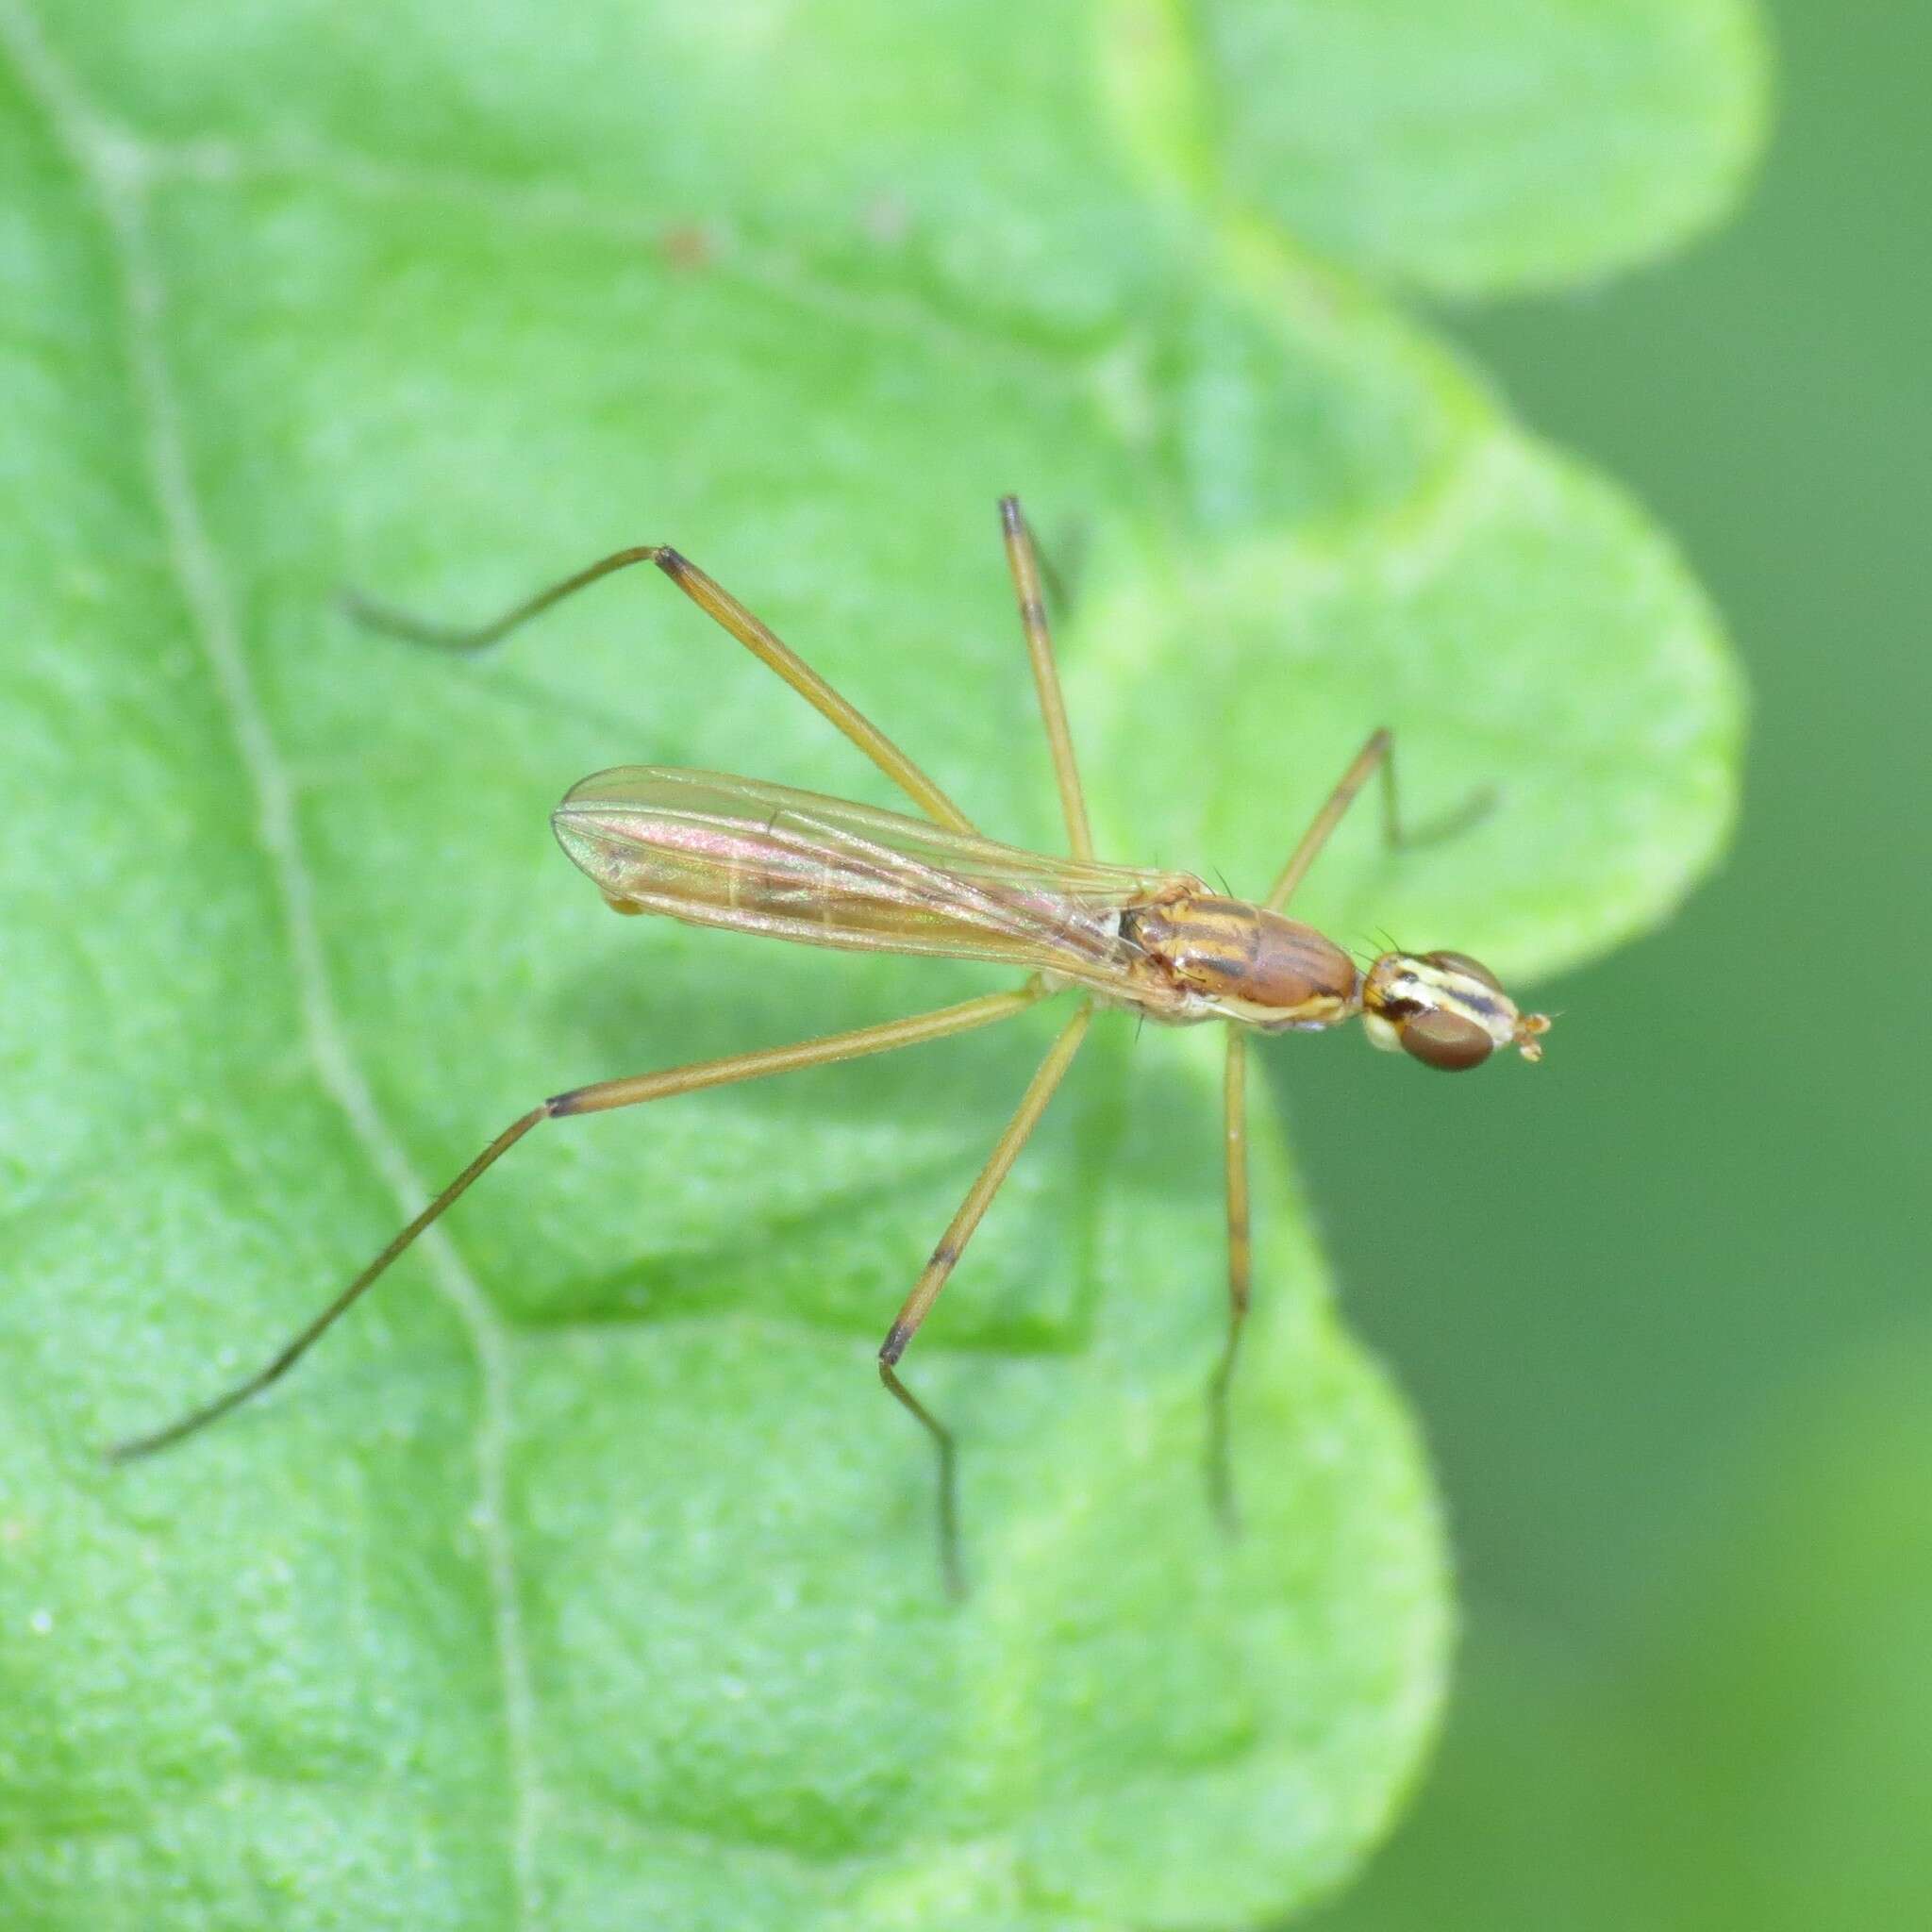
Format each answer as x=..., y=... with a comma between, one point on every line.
x=717, y=603
x=598, y=1098
x=934, y=1276
x=1376, y=752
x=1239, y=1278
x=1023, y=558
x=1379, y=750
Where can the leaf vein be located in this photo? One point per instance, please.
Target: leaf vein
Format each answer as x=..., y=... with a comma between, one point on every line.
x=118, y=169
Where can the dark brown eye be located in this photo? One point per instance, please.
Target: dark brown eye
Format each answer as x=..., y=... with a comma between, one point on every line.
x=1461, y=962
x=1446, y=1041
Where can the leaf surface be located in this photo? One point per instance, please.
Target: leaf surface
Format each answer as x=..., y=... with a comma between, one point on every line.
x=585, y=1577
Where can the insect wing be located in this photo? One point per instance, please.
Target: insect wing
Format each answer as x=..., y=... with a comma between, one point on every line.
x=717, y=850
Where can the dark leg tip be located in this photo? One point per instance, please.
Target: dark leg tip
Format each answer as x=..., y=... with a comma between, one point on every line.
x=367, y=613
x=1221, y=1500
x=137, y=1448
x=1220, y=1458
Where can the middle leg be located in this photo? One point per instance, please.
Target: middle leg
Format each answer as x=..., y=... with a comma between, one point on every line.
x=1239, y=1278
x=933, y=1277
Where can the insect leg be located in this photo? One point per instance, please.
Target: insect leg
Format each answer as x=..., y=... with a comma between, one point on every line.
x=602, y=1095
x=1239, y=1276
x=718, y=603
x=1378, y=751
x=938, y=1270
x=1023, y=558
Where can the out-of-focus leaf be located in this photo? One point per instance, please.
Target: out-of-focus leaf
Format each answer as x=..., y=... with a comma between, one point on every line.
x=1705, y=1778
x=1472, y=146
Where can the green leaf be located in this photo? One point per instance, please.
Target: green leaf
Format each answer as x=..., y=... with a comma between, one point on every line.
x=1473, y=146
x=585, y=1575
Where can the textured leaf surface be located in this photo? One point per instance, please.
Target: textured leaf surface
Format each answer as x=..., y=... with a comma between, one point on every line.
x=587, y=1577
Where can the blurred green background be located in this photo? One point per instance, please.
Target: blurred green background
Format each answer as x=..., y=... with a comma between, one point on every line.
x=1669, y=1334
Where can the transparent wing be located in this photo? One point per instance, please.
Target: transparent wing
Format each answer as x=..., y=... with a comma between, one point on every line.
x=717, y=850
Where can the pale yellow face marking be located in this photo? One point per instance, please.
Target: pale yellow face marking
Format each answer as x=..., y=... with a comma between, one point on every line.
x=1381, y=1033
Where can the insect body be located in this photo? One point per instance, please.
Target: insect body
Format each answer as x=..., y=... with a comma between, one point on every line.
x=717, y=850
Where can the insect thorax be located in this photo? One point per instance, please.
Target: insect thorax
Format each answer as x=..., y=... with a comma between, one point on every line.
x=1215, y=957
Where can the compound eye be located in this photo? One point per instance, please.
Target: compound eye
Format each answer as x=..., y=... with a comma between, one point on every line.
x=1446, y=1041
x=1461, y=962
